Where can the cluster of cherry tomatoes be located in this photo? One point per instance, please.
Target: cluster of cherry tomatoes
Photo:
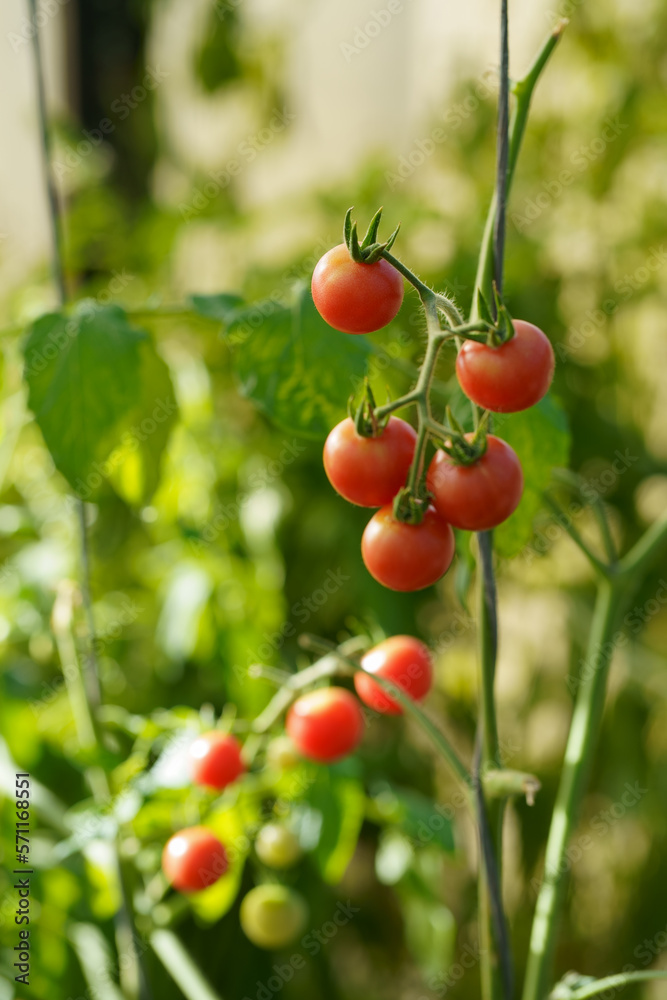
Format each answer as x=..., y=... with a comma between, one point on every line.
x=195, y=858
x=323, y=725
x=473, y=495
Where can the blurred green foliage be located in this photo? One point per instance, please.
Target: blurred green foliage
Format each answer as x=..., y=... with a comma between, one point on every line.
x=210, y=549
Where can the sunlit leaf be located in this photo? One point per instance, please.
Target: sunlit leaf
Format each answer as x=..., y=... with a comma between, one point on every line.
x=294, y=366
x=103, y=399
x=341, y=803
x=541, y=438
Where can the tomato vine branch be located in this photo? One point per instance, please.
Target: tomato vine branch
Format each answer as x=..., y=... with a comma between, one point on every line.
x=609, y=983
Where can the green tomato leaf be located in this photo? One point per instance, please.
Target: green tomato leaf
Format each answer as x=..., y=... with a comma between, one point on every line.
x=136, y=464
x=224, y=306
x=83, y=376
x=294, y=366
x=422, y=821
x=541, y=438
x=341, y=802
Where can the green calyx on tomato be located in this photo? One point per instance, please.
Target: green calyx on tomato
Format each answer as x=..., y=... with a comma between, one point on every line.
x=365, y=420
x=369, y=250
x=462, y=448
x=501, y=326
x=369, y=471
x=355, y=297
x=511, y=377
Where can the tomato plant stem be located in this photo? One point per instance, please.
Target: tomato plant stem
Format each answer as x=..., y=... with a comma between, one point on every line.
x=566, y=522
x=84, y=690
x=611, y=984
x=584, y=729
x=439, y=740
x=180, y=966
x=523, y=91
x=613, y=592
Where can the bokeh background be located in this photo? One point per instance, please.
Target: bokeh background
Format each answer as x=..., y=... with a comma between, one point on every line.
x=240, y=131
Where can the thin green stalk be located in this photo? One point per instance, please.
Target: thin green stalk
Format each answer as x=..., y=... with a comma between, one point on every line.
x=613, y=593
x=566, y=523
x=523, y=92
x=180, y=966
x=615, y=983
x=92, y=673
x=438, y=738
x=605, y=531
x=497, y=976
x=55, y=223
x=350, y=665
x=425, y=293
x=330, y=665
x=644, y=552
x=490, y=812
x=490, y=264
x=488, y=648
x=581, y=743
x=84, y=689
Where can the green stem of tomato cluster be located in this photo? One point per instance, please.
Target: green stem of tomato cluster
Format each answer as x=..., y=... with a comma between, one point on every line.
x=496, y=968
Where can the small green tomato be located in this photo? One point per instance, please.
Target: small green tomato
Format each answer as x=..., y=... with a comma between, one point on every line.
x=273, y=916
x=277, y=846
x=281, y=754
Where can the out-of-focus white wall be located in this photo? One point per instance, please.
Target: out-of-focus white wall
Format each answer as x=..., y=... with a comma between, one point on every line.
x=24, y=232
x=358, y=75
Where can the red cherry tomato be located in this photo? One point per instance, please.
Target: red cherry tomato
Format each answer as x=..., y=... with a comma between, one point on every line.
x=404, y=661
x=325, y=725
x=216, y=760
x=511, y=377
x=193, y=859
x=407, y=556
x=479, y=496
x=354, y=297
x=369, y=471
